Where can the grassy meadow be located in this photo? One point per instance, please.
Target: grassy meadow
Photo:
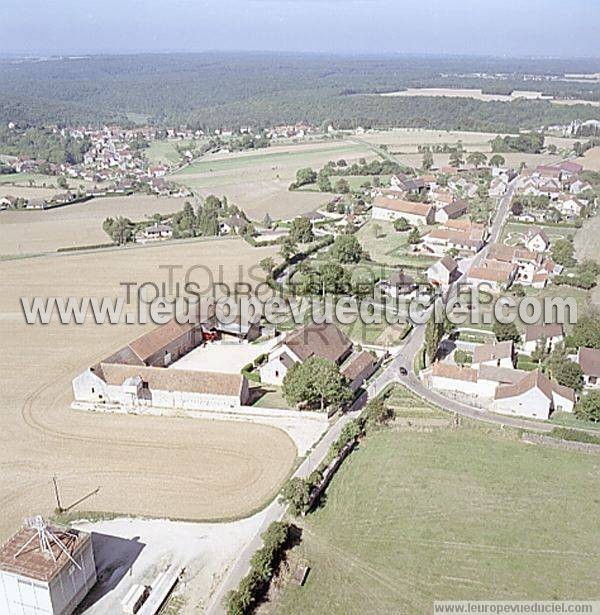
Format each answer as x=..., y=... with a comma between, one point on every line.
x=467, y=513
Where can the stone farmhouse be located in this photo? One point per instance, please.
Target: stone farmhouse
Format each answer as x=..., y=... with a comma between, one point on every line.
x=141, y=373
x=324, y=341
x=395, y=208
x=504, y=390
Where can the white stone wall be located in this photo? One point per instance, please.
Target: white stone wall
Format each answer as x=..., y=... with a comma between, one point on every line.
x=87, y=387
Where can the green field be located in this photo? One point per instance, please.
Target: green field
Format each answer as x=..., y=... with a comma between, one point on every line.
x=386, y=245
x=467, y=513
x=303, y=155
x=165, y=152
x=24, y=179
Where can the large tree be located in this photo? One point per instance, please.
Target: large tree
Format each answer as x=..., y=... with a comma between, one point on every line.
x=588, y=407
x=563, y=252
x=506, y=331
x=569, y=374
x=497, y=160
x=305, y=176
x=346, y=249
x=316, y=382
x=427, y=160
x=301, y=230
x=456, y=158
x=586, y=331
x=434, y=332
x=476, y=159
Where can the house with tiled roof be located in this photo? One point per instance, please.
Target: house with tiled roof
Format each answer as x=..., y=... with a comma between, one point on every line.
x=498, y=354
x=495, y=274
x=551, y=334
x=324, y=341
x=589, y=361
x=443, y=272
x=391, y=209
x=534, y=396
x=536, y=239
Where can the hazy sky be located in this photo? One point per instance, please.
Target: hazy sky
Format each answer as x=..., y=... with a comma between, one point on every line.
x=501, y=27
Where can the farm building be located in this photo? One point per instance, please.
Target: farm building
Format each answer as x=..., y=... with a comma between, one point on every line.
x=394, y=209
x=45, y=570
x=444, y=272
x=136, y=386
x=137, y=375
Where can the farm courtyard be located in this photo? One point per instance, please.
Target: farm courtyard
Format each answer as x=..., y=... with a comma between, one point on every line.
x=138, y=465
x=414, y=517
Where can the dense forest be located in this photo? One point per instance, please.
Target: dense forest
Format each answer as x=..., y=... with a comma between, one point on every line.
x=212, y=90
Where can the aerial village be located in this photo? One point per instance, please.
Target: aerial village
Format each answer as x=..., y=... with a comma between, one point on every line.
x=457, y=228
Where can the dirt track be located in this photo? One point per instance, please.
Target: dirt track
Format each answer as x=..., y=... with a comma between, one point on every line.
x=141, y=465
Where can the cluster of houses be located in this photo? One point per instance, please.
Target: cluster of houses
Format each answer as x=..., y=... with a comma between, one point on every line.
x=527, y=264
x=560, y=183
x=492, y=381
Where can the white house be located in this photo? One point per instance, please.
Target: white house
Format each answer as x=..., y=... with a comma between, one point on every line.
x=498, y=187
x=498, y=354
x=551, y=333
x=570, y=206
x=233, y=224
x=467, y=239
x=536, y=240
x=578, y=186
x=444, y=272
x=589, y=361
x=393, y=209
x=535, y=396
x=157, y=232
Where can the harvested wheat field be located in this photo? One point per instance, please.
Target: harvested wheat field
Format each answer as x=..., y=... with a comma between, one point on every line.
x=591, y=159
x=35, y=231
x=155, y=466
x=407, y=140
x=258, y=181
